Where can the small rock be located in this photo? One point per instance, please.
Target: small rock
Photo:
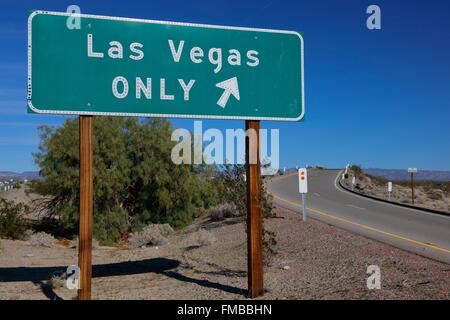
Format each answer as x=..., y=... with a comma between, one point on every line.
x=156, y=248
x=143, y=247
x=29, y=255
x=286, y=268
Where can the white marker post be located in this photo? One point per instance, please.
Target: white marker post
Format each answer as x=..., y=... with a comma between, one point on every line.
x=389, y=187
x=353, y=183
x=303, y=188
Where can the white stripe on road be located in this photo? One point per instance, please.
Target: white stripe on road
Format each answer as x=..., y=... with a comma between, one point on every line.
x=351, y=205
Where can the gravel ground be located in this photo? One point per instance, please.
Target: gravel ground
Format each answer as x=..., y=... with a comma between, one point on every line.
x=314, y=261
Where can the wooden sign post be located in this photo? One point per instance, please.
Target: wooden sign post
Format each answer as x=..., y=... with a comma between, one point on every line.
x=86, y=208
x=254, y=218
x=412, y=171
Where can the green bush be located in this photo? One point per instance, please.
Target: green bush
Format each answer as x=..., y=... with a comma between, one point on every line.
x=357, y=171
x=12, y=222
x=135, y=181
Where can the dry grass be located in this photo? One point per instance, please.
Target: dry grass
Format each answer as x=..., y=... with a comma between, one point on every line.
x=154, y=234
x=42, y=239
x=427, y=194
x=222, y=212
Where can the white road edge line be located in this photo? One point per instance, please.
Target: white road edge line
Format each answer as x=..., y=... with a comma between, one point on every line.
x=351, y=205
x=385, y=203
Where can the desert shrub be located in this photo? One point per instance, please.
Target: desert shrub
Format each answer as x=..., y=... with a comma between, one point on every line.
x=232, y=188
x=434, y=195
x=357, y=171
x=136, y=182
x=57, y=280
x=1, y=246
x=205, y=238
x=222, y=211
x=41, y=239
x=111, y=225
x=154, y=234
x=12, y=219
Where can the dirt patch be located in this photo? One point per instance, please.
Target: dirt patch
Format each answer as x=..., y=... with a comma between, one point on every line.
x=315, y=261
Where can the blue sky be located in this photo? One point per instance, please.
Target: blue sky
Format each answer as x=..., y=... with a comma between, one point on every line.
x=379, y=98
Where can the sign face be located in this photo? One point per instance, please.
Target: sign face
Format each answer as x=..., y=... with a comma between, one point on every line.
x=389, y=186
x=412, y=170
x=353, y=180
x=130, y=67
x=302, y=180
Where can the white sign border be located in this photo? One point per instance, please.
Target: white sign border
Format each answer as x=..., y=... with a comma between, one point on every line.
x=34, y=109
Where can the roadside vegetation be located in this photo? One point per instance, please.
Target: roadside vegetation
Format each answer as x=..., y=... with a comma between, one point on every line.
x=136, y=183
x=232, y=188
x=427, y=194
x=13, y=224
x=137, y=188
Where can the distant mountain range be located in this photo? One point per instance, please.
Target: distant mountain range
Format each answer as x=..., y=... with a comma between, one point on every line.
x=7, y=175
x=391, y=174
x=402, y=174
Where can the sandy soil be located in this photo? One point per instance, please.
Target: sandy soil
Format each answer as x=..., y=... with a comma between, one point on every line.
x=314, y=261
x=401, y=193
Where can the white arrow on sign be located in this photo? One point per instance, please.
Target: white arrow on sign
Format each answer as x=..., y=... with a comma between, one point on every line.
x=231, y=88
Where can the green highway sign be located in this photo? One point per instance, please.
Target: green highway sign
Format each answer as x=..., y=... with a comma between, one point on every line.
x=146, y=68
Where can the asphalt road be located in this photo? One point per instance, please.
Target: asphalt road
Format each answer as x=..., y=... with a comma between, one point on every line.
x=417, y=231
